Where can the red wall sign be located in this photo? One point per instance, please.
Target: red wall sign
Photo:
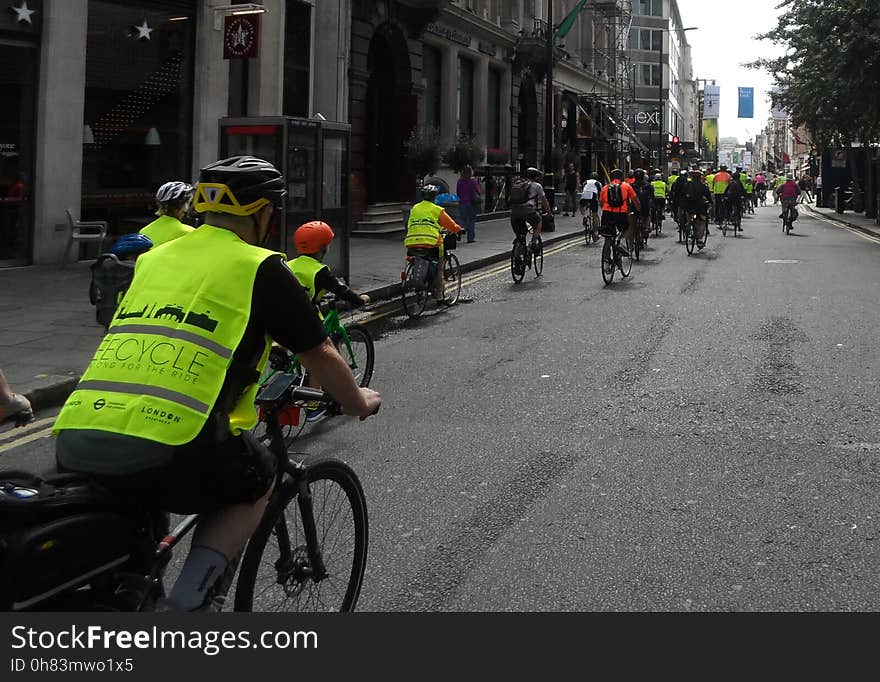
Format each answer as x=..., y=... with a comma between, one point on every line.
x=241, y=36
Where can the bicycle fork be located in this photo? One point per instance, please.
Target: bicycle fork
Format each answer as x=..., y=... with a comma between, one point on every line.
x=307, y=513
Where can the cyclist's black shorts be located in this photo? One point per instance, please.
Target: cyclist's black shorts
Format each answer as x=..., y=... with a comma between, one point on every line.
x=612, y=223
x=424, y=252
x=523, y=216
x=200, y=477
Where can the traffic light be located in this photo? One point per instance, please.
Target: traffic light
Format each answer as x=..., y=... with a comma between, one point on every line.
x=675, y=140
x=668, y=149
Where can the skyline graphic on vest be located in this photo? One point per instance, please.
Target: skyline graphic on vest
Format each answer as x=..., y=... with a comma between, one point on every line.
x=193, y=319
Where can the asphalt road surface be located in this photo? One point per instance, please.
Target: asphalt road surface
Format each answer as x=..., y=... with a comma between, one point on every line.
x=701, y=436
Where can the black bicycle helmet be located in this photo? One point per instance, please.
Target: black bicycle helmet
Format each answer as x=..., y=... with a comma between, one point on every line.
x=617, y=174
x=240, y=185
x=430, y=192
x=638, y=174
x=532, y=173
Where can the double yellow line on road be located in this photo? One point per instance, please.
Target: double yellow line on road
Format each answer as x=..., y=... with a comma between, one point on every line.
x=31, y=432
x=575, y=240
x=27, y=434
x=835, y=223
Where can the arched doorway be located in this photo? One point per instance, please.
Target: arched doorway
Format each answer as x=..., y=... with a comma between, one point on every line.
x=390, y=115
x=528, y=122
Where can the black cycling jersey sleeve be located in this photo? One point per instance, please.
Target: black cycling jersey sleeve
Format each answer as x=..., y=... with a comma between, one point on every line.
x=325, y=280
x=281, y=308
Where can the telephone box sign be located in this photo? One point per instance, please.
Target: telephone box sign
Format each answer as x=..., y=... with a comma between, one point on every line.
x=241, y=36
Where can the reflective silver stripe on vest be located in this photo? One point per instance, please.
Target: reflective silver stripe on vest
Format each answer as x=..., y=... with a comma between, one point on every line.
x=181, y=334
x=145, y=389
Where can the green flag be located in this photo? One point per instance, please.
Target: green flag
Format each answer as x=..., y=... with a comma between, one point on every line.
x=568, y=22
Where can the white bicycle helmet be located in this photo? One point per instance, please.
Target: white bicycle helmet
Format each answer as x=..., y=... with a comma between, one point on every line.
x=175, y=191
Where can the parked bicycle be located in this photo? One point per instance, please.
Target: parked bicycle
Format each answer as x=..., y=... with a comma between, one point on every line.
x=71, y=545
x=616, y=257
x=418, y=275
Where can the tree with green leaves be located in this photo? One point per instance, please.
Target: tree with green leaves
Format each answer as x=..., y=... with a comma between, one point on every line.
x=829, y=75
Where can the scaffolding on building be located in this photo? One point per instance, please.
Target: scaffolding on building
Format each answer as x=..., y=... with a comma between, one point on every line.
x=611, y=105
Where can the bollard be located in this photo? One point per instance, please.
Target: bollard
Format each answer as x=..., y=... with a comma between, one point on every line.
x=838, y=199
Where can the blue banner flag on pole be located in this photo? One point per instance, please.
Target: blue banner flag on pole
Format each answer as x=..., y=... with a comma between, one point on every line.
x=746, y=103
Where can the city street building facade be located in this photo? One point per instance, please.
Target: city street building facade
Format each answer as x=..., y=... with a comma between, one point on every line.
x=665, y=92
x=108, y=99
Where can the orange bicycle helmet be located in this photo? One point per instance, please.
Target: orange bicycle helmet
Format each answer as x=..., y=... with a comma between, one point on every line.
x=313, y=236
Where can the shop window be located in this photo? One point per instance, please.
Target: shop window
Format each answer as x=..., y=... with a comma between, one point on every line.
x=493, y=136
x=465, y=95
x=432, y=76
x=138, y=107
x=297, y=51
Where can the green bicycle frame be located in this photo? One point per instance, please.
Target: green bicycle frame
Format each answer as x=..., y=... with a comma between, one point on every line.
x=336, y=331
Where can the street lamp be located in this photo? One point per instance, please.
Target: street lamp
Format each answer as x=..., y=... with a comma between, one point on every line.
x=660, y=141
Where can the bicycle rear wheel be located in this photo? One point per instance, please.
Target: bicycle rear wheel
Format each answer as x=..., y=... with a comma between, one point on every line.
x=360, y=353
x=625, y=260
x=634, y=246
x=518, y=260
x=538, y=257
x=690, y=238
x=277, y=571
x=608, y=261
x=451, y=278
x=414, y=300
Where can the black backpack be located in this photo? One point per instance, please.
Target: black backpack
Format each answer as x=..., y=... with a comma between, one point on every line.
x=692, y=190
x=519, y=192
x=615, y=195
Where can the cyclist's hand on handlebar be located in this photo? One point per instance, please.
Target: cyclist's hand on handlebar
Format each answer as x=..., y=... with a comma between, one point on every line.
x=368, y=404
x=365, y=298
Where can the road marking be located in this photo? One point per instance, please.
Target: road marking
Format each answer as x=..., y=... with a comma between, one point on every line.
x=781, y=260
x=25, y=439
x=834, y=223
x=476, y=278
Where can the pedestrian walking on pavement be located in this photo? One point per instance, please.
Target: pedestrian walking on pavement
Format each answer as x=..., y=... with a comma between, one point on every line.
x=13, y=405
x=469, y=197
x=572, y=183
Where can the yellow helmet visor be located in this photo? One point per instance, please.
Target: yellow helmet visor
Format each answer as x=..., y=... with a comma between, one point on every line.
x=217, y=197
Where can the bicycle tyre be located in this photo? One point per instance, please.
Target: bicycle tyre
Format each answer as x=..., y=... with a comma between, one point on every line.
x=518, y=261
x=588, y=230
x=298, y=581
x=634, y=245
x=607, y=263
x=690, y=239
x=625, y=262
x=538, y=257
x=451, y=274
x=414, y=301
x=358, y=336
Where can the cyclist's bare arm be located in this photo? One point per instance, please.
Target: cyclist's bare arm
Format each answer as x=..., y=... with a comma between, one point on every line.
x=545, y=204
x=334, y=375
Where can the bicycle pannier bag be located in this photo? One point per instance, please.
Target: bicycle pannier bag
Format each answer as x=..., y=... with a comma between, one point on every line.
x=615, y=195
x=421, y=270
x=450, y=241
x=519, y=193
x=56, y=535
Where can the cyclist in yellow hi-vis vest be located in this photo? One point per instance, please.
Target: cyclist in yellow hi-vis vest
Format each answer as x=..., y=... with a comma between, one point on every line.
x=426, y=219
x=162, y=414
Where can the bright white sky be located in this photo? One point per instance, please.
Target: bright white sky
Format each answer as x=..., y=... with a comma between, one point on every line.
x=723, y=41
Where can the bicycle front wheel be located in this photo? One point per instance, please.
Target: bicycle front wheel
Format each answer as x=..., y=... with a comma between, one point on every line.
x=451, y=278
x=690, y=239
x=414, y=300
x=278, y=572
x=359, y=353
x=538, y=257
